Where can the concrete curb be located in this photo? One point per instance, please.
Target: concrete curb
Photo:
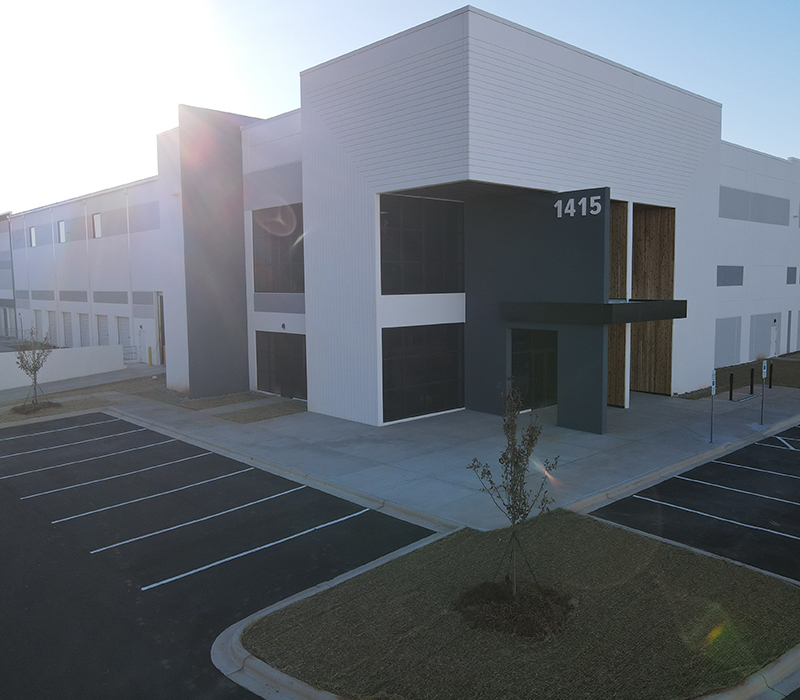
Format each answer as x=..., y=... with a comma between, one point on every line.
x=367, y=500
x=239, y=665
x=604, y=497
x=761, y=685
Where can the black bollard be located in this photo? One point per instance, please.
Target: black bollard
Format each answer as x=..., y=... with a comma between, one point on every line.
x=730, y=388
x=752, y=378
x=770, y=374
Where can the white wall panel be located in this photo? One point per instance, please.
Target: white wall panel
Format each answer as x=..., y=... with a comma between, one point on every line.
x=549, y=116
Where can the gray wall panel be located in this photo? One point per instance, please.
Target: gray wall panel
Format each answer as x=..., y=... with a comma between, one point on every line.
x=110, y=297
x=144, y=298
x=752, y=206
x=214, y=251
x=273, y=187
x=114, y=222
x=145, y=217
x=43, y=295
x=791, y=275
x=144, y=311
x=66, y=295
x=280, y=303
x=23, y=303
x=6, y=279
x=21, y=294
x=727, y=341
x=769, y=210
x=730, y=275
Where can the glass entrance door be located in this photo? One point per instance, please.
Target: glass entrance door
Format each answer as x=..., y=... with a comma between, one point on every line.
x=534, y=366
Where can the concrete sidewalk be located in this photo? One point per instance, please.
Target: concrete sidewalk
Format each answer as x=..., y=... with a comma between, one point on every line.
x=419, y=466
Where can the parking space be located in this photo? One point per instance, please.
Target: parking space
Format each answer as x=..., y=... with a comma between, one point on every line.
x=127, y=552
x=744, y=506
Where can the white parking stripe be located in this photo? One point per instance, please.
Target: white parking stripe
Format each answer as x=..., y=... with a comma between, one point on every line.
x=147, y=498
x=786, y=443
x=87, y=459
x=198, y=520
x=58, y=430
x=715, y=517
x=115, y=476
x=755, y=469
x=774, y=447
x=252, y=551
x=730, y=488
x=70, y=444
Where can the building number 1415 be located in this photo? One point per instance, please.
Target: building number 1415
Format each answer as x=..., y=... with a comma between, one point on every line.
x=591, y=206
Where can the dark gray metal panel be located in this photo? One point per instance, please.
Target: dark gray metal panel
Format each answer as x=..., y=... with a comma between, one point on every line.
x=752, y=206
x=144, y=311
x=214, y=250
x=791, y=275
x=730, y=275
x=110, y=297
x=280, y=303
x=21, y=293
x=769, y=210
x=583, y=377
x=734, y=204
x=593, y=314
x=517, y=251
x=8, y=303
x=65, y=295
x=144, y=298
x=273, y=187
x=43, y=295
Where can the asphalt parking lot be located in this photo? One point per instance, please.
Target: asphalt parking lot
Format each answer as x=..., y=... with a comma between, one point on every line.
x=744, y=506
x=126, y=552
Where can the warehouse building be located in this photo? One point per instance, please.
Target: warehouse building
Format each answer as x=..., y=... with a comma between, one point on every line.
x=465, y=201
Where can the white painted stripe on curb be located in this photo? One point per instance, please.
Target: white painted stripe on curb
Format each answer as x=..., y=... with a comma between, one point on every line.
x=58, y=430
x=252, y=551
x=197, y=520
x=716, y=517
x=155, y=495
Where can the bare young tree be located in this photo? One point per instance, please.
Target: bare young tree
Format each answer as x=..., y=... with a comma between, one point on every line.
x=511, y=494
x=31, y=355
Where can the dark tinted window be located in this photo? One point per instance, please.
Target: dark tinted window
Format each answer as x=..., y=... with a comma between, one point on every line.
x=422, y=245
x=281, y=364
x=278, y=249
x=423, y=370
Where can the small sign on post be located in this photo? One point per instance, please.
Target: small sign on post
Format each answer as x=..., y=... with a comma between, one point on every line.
x=763, y=387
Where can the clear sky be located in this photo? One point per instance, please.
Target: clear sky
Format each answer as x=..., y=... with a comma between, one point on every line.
x=87, y=84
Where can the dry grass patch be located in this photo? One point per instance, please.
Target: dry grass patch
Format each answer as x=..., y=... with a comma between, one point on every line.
x=8, y=414
x=650, y=620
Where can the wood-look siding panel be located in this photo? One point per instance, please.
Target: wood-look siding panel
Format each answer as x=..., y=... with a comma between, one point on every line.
x=616, y=365
x=653, y=252
x=651, y=357
x=618, y=251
